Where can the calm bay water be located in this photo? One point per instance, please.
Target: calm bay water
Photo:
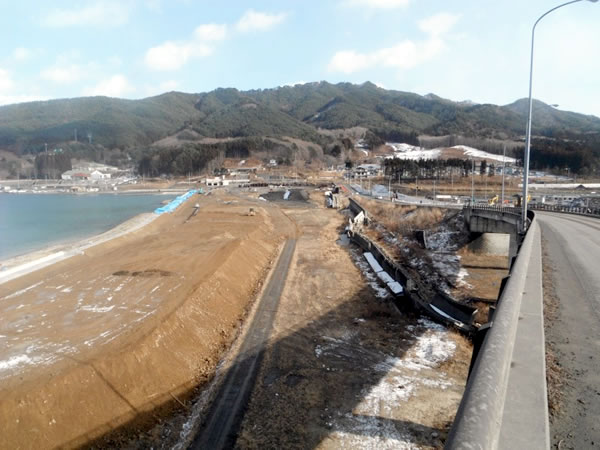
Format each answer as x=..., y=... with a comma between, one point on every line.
x=30, y=222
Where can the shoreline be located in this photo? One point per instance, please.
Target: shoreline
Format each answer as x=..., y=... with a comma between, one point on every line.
x=22, y=264
x=29, y=262
x=145, y=319
x=163, y=191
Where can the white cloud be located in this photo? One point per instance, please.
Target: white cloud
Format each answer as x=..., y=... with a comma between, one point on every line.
x=115, y=86
x=100, y=13
x=404, y=55
x=7, y=88
x=211, y=32
x=174, y=55
x=22, y=53
x=258, y=21
x=67, y=73
x=438, y=24
x=6, y=81
x=379, y=4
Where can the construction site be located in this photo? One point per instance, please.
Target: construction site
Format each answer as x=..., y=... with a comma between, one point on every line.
x=131, y=342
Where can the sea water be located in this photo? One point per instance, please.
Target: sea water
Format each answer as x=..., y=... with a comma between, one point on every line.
x=30, y=222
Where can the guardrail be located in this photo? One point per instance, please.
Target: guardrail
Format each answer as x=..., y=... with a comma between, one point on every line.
x=582, y=211
x=502, y=209
x=479, y=419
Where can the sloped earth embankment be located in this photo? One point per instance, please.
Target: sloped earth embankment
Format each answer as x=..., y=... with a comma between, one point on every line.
x=124, y=333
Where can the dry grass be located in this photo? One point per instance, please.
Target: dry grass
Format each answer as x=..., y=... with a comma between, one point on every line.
x=404, y=219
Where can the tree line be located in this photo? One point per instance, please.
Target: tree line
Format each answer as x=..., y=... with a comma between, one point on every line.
x=427, y=168
x=579, y=156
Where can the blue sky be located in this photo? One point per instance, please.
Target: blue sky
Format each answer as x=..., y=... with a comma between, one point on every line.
x=461, y=49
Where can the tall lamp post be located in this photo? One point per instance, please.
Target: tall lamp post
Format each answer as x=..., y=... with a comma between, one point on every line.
x=528, y=139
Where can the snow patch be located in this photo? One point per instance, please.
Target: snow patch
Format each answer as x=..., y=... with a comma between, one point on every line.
x=470, y=151
x=22, y=291
x=417, y=154
x=99, y=309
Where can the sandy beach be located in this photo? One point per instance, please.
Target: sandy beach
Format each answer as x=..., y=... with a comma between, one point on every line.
x=98, y=333
x=30, y=262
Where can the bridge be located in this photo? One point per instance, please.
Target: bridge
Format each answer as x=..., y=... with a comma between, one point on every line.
x=505, y=401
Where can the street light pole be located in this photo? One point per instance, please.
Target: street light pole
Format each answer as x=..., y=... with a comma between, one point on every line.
x=528, y=139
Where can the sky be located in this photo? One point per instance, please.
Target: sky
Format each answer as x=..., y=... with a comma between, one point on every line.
x=474, y=50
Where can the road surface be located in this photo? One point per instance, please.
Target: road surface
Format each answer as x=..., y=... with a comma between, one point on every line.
x=573, y=251
x=225, y=415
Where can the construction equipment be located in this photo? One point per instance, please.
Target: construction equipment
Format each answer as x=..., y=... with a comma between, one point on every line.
x=493, y=201
x=517, y=199
x=251, y=212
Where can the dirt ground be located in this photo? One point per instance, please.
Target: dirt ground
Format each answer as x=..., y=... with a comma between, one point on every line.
x=97, y=349
x=345, y=368
x=131, y=326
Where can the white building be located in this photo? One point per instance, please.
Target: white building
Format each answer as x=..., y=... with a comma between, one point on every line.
x=97, y=175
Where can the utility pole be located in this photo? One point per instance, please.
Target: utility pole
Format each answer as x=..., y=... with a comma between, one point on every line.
x=503, y=170
x=485, y=189
x=472, y=182
x=417, y=185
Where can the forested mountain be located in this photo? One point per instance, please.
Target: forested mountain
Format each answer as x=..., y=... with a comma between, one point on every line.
x=111, y=122
x=293, y=111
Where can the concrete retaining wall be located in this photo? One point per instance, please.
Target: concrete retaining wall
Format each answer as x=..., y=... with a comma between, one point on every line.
x=505, y=404
x=438, y=305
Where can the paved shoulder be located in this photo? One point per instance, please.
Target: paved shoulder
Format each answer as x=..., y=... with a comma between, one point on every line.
x=573, y=250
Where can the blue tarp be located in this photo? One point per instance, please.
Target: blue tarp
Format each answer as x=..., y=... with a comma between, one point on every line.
x=172, y=206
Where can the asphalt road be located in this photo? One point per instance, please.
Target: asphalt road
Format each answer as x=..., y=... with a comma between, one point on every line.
x=225, y=415
x=573, y=249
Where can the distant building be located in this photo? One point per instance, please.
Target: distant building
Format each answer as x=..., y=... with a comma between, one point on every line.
x=75, y=175
x=223, y=181
x=367, y=170
x=97, y=175
x=81, y=176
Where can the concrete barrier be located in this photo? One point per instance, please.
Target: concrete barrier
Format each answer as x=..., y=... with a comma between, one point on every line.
x=505, y=403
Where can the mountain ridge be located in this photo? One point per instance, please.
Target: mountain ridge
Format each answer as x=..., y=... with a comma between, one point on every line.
x=297, y=111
